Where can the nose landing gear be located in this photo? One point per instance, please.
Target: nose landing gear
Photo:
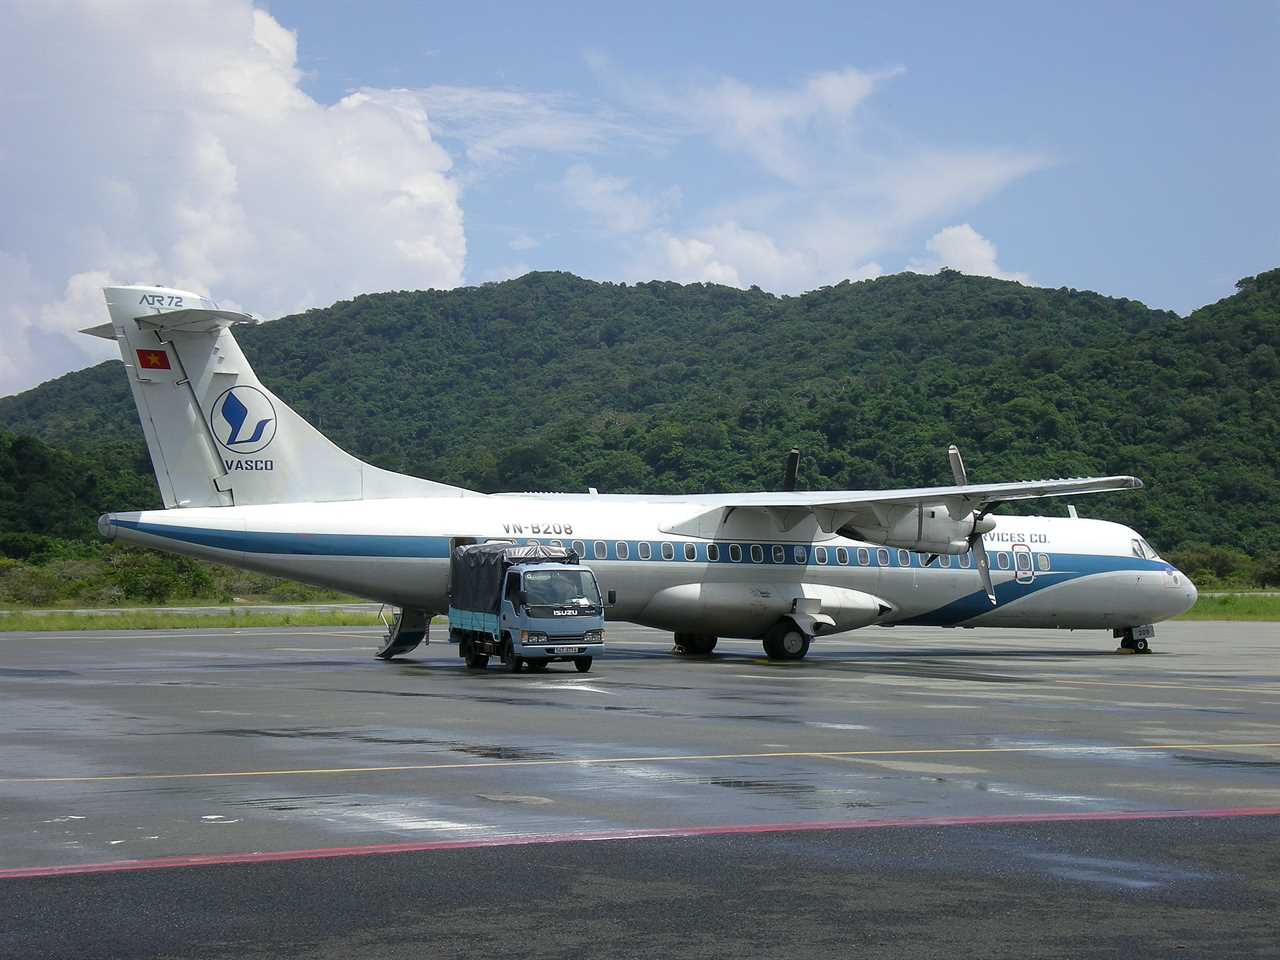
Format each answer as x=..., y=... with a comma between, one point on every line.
x=1135, y=639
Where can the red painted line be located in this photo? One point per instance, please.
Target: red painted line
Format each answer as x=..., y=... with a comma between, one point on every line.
x=369, y=850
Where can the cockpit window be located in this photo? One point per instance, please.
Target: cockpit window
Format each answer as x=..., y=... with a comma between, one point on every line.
x=1142, y=549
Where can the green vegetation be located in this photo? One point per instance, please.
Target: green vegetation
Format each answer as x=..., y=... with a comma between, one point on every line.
x=147, y=620
x=554, y=382
x=1240, y=606
x=62, y=573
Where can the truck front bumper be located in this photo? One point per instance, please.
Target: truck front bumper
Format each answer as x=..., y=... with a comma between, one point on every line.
x=552, y=649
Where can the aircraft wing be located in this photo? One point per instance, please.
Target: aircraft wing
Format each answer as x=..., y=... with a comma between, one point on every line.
x=837, y=509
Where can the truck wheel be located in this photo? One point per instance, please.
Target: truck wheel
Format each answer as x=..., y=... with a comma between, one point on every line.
x=582, y=663
x=477, y=661
x=511, y=660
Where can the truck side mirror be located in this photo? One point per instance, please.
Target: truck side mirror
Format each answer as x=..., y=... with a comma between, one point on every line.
x=613, y=597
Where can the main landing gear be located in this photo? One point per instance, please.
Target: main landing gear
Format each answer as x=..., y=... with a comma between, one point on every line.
x=786, y=641
x=694, y=644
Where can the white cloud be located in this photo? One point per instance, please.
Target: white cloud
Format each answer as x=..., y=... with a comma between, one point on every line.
x=612, y=202
x=963, y=248
x=172, y=143
x=840, y=188
x=495, y=125
x=775, y=126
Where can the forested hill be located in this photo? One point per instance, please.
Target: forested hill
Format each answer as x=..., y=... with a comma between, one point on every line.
x=554, y=382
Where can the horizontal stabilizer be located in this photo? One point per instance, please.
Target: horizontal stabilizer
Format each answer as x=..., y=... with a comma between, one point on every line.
x=195, y=320
x=104, y=330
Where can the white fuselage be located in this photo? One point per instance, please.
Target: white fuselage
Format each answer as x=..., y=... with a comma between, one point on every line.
x=1047, y=571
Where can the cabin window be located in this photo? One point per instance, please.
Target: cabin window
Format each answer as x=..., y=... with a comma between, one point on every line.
x=882, y=557
x=864, y=556
x=1042, y=560
x=904, y=558
x=779, y=554
x=713, y=552
x=842, y=556
x=735, y=552
x=621, y=550
x=690, y=551
x=820, y=554
x=668, y=552
x=600, y=549
x=580, y=549
x=1002, y=561
x=757, y=553
x=799, y=554
x=1023, y=560
x=644, y=549
x=1137, y=549
x=945, y=559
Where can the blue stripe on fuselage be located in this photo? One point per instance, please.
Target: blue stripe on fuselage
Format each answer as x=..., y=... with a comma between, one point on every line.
x=303, y=544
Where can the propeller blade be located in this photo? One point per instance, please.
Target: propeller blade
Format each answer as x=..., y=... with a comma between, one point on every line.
x=957, y=465
x=793, y=468
x=984, y=566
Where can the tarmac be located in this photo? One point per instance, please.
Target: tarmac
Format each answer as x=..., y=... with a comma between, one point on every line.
x=901, y=792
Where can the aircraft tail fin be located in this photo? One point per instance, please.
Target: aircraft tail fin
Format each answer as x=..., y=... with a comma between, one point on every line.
x=216, y=435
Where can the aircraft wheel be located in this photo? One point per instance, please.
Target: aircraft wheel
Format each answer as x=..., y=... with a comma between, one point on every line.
x=695, y=644
x=583, y=664
x=1141, y=646
x=786, y=641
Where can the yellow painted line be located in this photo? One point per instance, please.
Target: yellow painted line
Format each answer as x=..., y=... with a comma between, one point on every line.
x=1167, y=686
x=873, y=676
x=605, y=761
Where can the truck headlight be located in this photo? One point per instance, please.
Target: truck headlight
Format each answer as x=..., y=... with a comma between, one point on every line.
x=593, y=636
x=532, y=636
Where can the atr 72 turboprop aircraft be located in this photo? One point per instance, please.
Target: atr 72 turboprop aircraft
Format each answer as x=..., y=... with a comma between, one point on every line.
x=246, y=481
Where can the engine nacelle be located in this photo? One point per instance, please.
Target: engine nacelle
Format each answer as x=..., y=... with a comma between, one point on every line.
x=926, y=529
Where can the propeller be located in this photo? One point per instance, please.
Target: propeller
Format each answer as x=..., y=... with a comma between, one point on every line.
x=975, y=537
x=792, y=469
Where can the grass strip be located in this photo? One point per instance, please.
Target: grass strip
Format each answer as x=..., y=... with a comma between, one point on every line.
x=151, y=620
x=1241, y=606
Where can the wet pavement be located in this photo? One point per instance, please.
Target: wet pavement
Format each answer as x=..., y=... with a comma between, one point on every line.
x=134, y=746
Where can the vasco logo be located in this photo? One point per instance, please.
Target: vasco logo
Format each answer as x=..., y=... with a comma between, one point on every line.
x=243, y=419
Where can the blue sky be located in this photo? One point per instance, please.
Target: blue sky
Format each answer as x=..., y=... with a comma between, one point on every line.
x=291, y=153
x=1158, y=126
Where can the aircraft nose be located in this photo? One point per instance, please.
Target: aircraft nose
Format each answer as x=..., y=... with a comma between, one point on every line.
x=1189, y=589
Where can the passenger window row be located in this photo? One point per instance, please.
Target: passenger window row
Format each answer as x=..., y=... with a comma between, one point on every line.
x=801, y=555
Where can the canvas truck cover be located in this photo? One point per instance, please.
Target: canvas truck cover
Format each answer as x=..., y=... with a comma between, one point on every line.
x=476, y=571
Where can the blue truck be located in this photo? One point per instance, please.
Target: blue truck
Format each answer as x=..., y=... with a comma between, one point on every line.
x=527, y=604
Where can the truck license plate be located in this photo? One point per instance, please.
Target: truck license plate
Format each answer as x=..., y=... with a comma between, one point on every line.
x=564, y=649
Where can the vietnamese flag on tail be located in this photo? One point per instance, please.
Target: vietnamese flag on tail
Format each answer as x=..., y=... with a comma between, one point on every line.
x=153, y=360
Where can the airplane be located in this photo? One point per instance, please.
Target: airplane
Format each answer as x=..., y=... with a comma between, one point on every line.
x=248, y=482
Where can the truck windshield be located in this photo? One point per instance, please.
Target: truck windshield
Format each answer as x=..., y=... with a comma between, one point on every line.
x=551, y=588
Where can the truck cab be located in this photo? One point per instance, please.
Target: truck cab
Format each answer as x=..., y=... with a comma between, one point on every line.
x=530, y=604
